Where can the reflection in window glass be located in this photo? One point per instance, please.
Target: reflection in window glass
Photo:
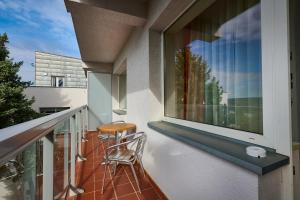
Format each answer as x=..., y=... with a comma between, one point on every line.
x=213, y=65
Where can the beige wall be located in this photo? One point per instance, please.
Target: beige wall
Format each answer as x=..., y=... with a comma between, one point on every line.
x=57, y=97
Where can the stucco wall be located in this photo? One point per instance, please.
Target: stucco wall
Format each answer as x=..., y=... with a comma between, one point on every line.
x=57, y=97
x=181, y=171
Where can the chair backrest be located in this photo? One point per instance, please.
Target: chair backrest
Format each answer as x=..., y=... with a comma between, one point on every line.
x=140, y=138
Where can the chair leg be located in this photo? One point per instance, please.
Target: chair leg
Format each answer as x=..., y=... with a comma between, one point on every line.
x=103, y=179
x=135, y=177
x=142, y=166
x=115, y=168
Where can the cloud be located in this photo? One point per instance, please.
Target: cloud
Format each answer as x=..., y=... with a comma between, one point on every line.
x=244, y=26
x=21, y=54
x=27, y=71
x=32, y=25
x=52, y=10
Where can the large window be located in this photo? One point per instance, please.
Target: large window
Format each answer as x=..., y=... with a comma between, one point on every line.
x=213, y=65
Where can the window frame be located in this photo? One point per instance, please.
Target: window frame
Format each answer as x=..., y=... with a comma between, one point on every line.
x=124, y=73
x=57, y=78
x=271, y=60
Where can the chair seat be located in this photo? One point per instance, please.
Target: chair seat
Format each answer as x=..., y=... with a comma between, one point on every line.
x=121, y=155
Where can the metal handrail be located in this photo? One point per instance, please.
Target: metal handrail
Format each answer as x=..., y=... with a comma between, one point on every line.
x=15, y=139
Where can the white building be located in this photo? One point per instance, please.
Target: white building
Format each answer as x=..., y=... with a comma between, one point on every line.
x=58, y=71
x=151, y=42
x=60, y=83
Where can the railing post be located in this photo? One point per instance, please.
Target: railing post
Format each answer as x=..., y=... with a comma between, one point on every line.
x=84, y=128
x=73, y=131
x=86, y=118
x=48, y=152
x=66, y=154
x=79, y=136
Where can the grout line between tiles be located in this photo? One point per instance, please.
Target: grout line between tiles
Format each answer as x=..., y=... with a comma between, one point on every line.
x=132, y=185
x=125, y=195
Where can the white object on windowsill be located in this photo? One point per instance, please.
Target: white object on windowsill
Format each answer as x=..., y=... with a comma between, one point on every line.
x=255, y=151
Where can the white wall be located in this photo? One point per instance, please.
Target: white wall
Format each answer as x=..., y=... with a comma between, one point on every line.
x=56, y=97
x=115, y=100
x=296, y=161
x=181, y=171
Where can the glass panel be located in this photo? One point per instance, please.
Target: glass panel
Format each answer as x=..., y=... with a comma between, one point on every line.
x=60, y=82
x=61, y=155
x=53, y=81
x=213, y=70
x=39, y=169
x=19, y=178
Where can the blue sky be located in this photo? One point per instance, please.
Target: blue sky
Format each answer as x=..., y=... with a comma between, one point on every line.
x=236, y=58
x=37, y=25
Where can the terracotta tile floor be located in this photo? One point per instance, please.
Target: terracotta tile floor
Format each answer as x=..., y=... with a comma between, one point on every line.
x=89, y=176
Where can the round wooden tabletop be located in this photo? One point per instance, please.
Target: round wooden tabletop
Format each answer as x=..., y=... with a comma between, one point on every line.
x=113, y=128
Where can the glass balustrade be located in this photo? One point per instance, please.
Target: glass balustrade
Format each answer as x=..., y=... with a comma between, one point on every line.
x=45, y=169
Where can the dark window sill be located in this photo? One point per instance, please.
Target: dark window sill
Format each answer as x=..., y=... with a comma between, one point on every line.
x=120, y=112
x=222, y=147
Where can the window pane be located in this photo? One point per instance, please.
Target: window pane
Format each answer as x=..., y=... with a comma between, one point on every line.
x=53, y=81
x=60, y=82
x=213, y=65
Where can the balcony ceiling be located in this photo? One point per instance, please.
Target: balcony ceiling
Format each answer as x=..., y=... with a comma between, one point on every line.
x=102, y=27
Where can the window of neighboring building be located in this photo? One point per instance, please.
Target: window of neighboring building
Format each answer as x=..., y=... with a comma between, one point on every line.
x=122, y=91
x=57, y=81
x=51, y=110
x=213, y=66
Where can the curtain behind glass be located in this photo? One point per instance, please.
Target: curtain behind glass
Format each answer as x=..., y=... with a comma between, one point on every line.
x=213, y=66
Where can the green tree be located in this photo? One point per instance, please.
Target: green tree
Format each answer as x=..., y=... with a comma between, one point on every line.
x=14, y=106
x=198, y=92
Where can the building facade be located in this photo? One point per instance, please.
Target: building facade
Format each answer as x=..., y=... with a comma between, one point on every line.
x=58, y=71
x=61, y=76
x=179, y=58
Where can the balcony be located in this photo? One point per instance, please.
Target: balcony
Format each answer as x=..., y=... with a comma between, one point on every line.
x=54, y=157
x=186, y=156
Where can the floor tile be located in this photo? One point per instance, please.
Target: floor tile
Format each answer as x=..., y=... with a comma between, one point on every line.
x=129, y=197
x=148, y=194
x=107, y=194
x=89, y=176
x=120, y=180
x=124, y=189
